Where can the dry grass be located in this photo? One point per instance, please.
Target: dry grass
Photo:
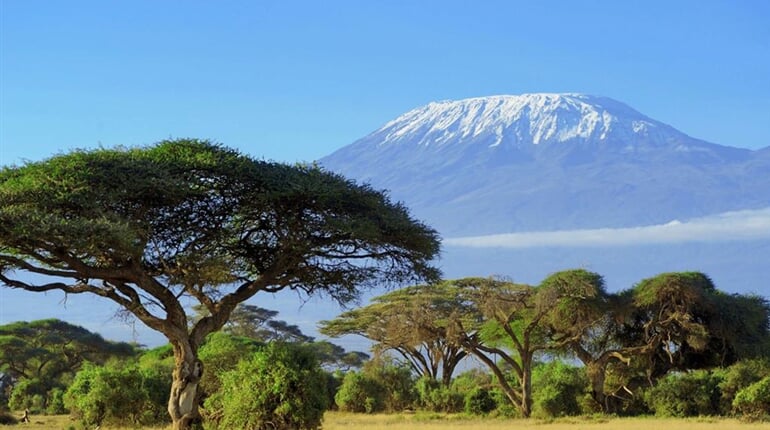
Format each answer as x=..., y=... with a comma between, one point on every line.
x=425, y=421
x=340, y=421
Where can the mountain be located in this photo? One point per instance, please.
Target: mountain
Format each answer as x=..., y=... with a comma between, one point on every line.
x=533, y=162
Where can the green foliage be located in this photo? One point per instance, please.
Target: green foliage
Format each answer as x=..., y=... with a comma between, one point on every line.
x=738, y=377
x=221, y=353
x=43, y=356
x=382, y=385
x=437, y=397
x=560, y=389
x=118, y=394
x=397, y=381
x=281, y=386
x=144, y=227
x=685, y=395
x=412, y=322
x=55, y=404
x=360, y=393
x=29, y=394
x=753, y=402
x=479, y=401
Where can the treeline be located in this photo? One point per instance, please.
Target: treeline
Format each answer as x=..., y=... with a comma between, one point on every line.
x=632, y=348
x=672, y=345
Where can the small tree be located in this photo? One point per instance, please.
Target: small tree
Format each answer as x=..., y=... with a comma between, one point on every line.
x=144, y=227
x=119, y=394
x=412, y=323
x=281, y=386
x=360, y=393
x=560, y=389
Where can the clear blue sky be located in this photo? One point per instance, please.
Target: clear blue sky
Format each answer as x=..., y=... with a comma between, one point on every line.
x=295, y=80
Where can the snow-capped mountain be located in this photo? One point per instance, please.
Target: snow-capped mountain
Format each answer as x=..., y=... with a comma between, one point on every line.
x=523, y=120
x=550, y=161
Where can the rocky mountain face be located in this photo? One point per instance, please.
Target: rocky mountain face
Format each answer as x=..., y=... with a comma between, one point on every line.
x=550, y=162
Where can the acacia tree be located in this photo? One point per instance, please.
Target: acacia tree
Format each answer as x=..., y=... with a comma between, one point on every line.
x=512, y=323
x=40, y=354
x=46, y=349
x=672, y=321
x=144, y=227
x=684, y=322
x=257, y=323
x=412, y=322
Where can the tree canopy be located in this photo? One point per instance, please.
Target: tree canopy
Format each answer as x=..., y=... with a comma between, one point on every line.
x=146, y=226
x=45, y=349
x=412, y=322
x=626, y=340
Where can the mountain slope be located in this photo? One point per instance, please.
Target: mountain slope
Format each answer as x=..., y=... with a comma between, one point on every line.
x=547, y=162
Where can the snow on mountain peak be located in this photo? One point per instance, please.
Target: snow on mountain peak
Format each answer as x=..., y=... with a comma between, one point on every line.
x=528, y=118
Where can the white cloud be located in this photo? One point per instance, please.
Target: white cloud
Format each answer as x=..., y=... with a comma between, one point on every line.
x=728, y=226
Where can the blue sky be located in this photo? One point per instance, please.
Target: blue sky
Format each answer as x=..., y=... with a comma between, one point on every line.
x=295, y=80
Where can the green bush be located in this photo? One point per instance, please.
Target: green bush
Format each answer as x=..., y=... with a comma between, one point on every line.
x=559, y=390
x=753, y=402
x=221, y=353
x=435, y=397
x=479, y=401
x=397, y=382
x=685, y=395
x=360, y=393
x=281, y=386
x=29, y=394
x=119, y=394
x=737, y=377
x=55, y=404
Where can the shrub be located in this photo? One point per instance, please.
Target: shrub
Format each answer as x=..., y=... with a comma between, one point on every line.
x=119, y=394
x=28, y=394
x=685, y=395
x=737, y=377
x=753, y=402
x=221, y=353
x=360, y=393
x=435, y=397
x=397, y=382
x=282, y=386
x=55, y=404
x=559, y=390
x=479, y=402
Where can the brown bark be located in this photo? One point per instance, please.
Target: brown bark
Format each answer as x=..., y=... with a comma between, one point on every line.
x=185, y=396
x=526, y=386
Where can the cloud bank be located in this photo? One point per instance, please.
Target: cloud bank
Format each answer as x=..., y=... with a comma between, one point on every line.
x=729, y=226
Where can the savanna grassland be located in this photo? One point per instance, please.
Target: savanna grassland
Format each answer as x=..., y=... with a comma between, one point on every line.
x=426, y=421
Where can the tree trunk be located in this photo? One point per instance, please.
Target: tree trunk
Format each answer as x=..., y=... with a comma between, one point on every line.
x=185, y=396
x=596, y=374
x=526, y=386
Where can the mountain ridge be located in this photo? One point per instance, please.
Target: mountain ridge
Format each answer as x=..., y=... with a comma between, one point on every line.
x=549, y=161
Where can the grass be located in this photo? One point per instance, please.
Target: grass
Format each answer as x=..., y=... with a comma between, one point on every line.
x=340, y=421
x=427, y=421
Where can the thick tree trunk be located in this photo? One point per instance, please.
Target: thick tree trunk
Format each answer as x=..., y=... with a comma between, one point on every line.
x=596, y=374
x=185, y=396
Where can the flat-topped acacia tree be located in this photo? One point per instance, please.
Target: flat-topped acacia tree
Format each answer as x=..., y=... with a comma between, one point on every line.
x=145, y=227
